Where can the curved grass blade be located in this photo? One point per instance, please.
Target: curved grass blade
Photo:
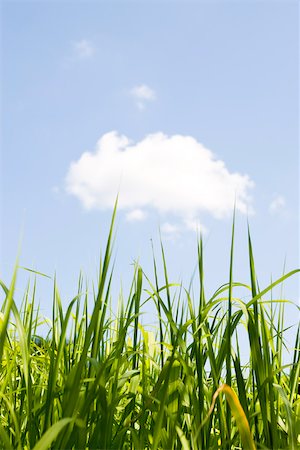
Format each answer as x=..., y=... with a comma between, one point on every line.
x=237, y=412
x=51, y=434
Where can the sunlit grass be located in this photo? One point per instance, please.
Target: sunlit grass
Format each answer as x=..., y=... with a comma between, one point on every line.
x=104, y=381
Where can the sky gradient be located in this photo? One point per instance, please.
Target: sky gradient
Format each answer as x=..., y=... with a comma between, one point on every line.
x=97, y=96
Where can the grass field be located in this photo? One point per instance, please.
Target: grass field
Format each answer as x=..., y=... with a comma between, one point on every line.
x=103, y=381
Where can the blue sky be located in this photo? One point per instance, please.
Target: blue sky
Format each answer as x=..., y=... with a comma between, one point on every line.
x=180, y=105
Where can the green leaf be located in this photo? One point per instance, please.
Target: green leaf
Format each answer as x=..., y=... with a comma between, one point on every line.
x=51, y=434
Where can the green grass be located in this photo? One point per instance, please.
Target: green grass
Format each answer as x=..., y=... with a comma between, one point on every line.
x=104, y=381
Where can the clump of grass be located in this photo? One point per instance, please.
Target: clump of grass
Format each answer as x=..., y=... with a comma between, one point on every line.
x=99, y=381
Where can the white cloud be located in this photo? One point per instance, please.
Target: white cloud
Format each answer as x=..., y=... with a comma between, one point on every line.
x=175, y=174
x=142, y=94
x=136, y=215
x=170, y=231
x=277, y=205
x=84, y=49
x=195, y=224
x=169, y=228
